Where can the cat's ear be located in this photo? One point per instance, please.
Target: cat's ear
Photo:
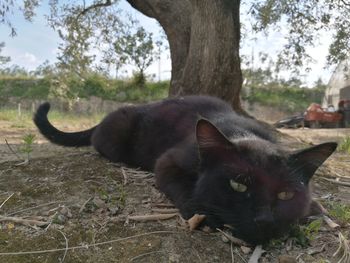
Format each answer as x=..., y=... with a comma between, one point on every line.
x=208, y=136
x=307, y=161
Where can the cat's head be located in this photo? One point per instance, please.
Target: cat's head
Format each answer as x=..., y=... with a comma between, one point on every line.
x=252, y=184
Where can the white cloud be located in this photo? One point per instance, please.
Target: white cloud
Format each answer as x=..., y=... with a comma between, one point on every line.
x=30, y=58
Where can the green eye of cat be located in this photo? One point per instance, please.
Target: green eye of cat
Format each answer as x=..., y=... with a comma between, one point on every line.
x=238, y=187
x=285, y=195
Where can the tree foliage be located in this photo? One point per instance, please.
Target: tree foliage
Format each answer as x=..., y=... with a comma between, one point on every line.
x=85, y=32
x=3, y=59
x=303, y=22
x=99, y=36
x=138, y=49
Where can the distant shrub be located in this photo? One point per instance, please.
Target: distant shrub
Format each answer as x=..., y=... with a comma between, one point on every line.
x=290, y=99
x=70, y=87
x=24, y=88
x=344, y=145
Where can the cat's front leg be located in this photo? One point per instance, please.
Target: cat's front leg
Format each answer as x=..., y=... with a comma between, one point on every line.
x=176, y=177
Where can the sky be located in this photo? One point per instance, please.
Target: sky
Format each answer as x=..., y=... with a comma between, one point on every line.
x=36, y=42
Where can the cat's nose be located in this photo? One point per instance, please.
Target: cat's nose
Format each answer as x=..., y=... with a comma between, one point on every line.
x=264, y=219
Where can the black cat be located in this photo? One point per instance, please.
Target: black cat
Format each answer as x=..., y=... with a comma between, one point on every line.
x=208, y=160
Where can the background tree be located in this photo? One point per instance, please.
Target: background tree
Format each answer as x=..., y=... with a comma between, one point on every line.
x=303, y=22
x=3, y=59
x=138, y=49
x=83, y=33
x=204, y=36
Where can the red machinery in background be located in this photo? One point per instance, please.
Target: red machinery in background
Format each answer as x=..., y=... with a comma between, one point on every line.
x=318, y=117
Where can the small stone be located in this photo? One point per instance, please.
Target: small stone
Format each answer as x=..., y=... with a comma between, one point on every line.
x=174, y=258
x=113, y=210
x=111, y=189
x=66, y=212
x=60, y=219
x=98, y=202
x=224, y=239
x=207, y=229
x=286, y=259
x=246, y=250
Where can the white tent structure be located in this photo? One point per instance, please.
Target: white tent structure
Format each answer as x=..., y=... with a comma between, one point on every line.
x=338, y=87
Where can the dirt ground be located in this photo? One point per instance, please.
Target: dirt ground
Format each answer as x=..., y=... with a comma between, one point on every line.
x=71, y=205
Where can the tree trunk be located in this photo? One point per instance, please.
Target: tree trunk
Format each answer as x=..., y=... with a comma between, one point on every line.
x=204, y=37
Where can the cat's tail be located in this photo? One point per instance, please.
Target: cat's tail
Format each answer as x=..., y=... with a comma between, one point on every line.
x=72, y=139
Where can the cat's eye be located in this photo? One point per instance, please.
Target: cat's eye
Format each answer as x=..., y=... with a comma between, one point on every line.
x=238, y=187
x=285, y=195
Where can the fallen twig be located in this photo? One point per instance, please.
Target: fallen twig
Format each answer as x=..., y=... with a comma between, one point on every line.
x=330, y=222
x=335, y=181
x=154, y=217
x=23, y=221
x=9, y=146
x=232, y=256
x=343, y=247
x=137, y=172
x=195, y=221
x=50, y=223
x=164, y=205
x=145, y=254
x=238, y=254
x=6, y=200
x=25, y=162
x=125, y=177
x=34, y=207
x=314, y=251
x=258, y=251
x=234, y=240
x=340, y=176
x=85, y=246
x=83, y=206
x=165, y=210
x=65, y=252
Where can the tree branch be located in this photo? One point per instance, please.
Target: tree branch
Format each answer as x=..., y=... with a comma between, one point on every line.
x=144, y=7
x=345, y=3
x=98, y=5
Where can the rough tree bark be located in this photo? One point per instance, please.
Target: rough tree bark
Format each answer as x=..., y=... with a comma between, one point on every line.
x=204, y=38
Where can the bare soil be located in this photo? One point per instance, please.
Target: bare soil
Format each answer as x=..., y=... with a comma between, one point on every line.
x=84, y=200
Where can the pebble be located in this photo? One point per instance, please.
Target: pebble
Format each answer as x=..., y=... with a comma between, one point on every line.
x=60, y=219
x=286, y=259
x=113, y=210
x=66, y=212
x=224, y=239
x=98, y=202
x=246, y=250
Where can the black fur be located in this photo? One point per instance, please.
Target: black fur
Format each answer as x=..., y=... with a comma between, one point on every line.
x=75, y=139
x=196, y=145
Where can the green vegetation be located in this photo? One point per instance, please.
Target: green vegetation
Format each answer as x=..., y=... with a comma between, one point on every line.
x=259, y=88
x=340, y=211
x=287, y=95
x=290, y=99
x=311, y=230
x=69, y=118
x=302, y=234
x=122, y=195
x=27, y=145
x=73, y=87
x=24, y=87
x=306, y=233
x=344, y=145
